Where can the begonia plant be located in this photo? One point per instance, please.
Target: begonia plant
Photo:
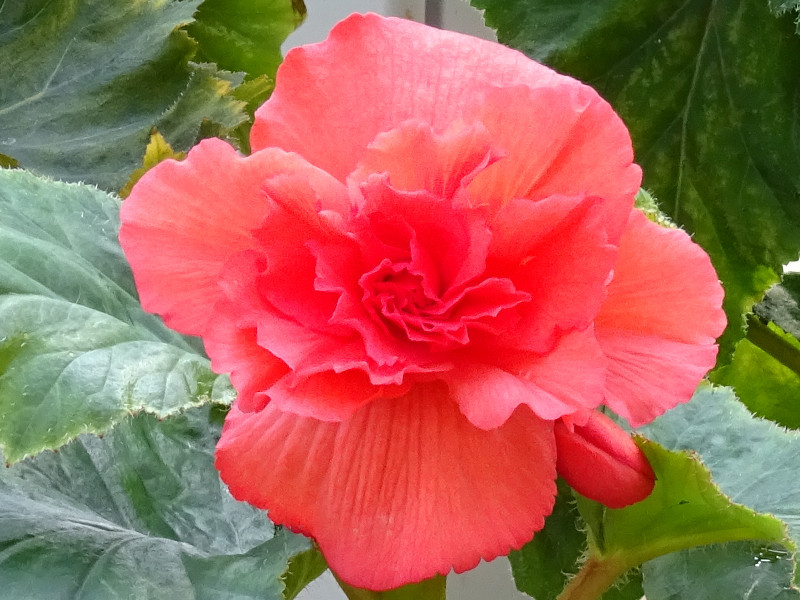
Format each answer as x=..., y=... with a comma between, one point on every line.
x=397, y=307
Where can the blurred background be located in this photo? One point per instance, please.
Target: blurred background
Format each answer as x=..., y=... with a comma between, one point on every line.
x=490, y=581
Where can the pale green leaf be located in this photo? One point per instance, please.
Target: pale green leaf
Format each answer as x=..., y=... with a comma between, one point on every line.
x=140, y=514
x=77, y=353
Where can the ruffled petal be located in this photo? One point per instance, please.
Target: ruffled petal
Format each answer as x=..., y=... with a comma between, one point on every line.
x=385, y=71
x=563, y=140
x=403, y=490
x=416, y=158
x=659, y=323
x=328, y=396
x=184, y=220
x=557, y=250
x=601, y=461
x=568, y=379
x=234, y=350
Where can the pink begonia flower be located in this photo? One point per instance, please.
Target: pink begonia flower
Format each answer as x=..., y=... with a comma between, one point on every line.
x=423, y=282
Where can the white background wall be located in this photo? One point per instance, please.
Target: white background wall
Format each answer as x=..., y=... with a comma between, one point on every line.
x=490, y=581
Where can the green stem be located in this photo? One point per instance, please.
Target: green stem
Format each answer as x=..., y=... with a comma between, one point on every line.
x=595, y=577
x=770, y=342
x=430, y=589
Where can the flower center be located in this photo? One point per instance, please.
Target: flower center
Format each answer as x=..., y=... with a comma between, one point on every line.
x=398, y=298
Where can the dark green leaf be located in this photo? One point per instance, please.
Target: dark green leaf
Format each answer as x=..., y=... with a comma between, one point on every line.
x=708, y=89
x=543, y=566
x=77, y=353
x=430, y=589
x=138, y=514
x=303, y=569
x=783, y=6
x=85, y=81
x=245, y=35
x=753, y=461
x=629, y=587
x=781, y=305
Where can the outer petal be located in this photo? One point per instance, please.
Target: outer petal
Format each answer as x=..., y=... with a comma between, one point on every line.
x=601, y=461
x=658, y=325
x=386, y=71
x=184, y=220
x=568, y=379
x=563, y=140
x=405, y=489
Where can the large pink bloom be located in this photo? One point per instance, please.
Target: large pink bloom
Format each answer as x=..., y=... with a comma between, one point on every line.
x=423, y=281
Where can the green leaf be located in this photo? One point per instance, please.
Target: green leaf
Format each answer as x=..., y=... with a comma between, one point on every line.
x=684, y=510
x=303, y=569
x=140, y=513
x=157, y=150
x=783, y=6
x=77, y=353
x=85, y=81
x=764, y=373
x=753, y=461
x=245, y=35
x=781, y=305
x=629, y=587
x=543, y=566
x=708, y=89
x=430, y=589
x=742, y=570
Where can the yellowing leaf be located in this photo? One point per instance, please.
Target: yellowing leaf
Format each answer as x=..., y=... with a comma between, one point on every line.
x=157, y=150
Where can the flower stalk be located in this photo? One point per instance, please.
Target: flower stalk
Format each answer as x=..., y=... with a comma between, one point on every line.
x=593, y=579
x=430, y=589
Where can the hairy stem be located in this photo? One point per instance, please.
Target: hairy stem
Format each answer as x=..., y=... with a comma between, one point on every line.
x=594, y=578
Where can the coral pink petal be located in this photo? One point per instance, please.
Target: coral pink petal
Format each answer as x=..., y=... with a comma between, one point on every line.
x=556, y=250
x=563, y=140
x=416, y=158
x=372, y=74
x=403, y=490
x=601, y=461
x=569, y=379
x=648, y=375
x=184, y=220
x=328, y=396
x=234, y=350
x=659, y=323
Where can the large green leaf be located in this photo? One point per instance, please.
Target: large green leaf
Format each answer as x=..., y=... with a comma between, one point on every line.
x=755, y=463
x=85, y=81
x=77, y=353
x=138, y=514
x=245, y=35
x=708, y=89
x=742, y=570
